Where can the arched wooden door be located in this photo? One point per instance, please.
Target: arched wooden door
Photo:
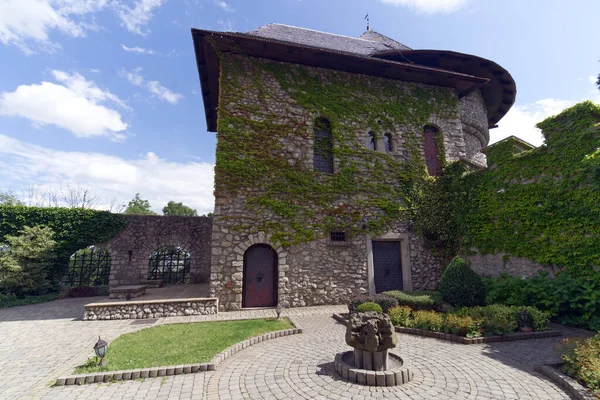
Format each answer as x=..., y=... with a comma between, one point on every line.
x=260, y=277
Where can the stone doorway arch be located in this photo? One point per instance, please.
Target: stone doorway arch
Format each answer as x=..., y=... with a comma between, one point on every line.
x=260, y=284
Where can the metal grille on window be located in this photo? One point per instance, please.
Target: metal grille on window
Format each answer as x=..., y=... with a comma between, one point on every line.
x=387, y=142
x=171, y=264
x=323, y=147
x=372, y=141
x=89, y=267
x=337, y=236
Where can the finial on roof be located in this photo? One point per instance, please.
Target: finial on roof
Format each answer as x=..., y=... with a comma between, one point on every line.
x=367, y=18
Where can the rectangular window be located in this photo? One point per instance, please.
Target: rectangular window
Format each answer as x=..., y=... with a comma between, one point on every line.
x=337, y=236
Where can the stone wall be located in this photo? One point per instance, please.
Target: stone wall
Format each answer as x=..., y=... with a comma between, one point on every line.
x=131, y=248
x=473, y=116
x=314, y=272
x=150, y=309
x=491, y=265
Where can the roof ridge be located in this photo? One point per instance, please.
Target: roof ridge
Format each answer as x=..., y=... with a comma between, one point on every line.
x=323, y=32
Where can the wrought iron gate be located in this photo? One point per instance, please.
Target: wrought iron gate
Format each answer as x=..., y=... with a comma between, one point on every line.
x=387, y=266
x=171, y=264
x=89, y=267
x=260, y=277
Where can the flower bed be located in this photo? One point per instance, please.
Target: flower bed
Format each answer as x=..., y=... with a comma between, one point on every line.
x=470, y=322
x=582, y=361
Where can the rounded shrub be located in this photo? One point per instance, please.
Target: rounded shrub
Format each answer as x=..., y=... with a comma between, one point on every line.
x=461, y=286
x=369, y=306
x=386, y=302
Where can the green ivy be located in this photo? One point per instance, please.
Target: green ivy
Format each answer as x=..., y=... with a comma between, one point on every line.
x=542, y=204
x=74, y=228
x=252, y=155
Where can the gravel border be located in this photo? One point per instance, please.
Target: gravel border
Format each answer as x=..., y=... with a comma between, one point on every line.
x=568, y=384
x=153, y=372
x=463, y=340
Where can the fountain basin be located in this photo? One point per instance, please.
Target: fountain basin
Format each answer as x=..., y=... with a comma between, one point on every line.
x=396, y=373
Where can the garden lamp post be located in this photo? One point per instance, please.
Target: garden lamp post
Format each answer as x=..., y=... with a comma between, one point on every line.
x=278, y=310
x=100, y=350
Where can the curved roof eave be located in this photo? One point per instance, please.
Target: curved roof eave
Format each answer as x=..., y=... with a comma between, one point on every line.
x=499, y=93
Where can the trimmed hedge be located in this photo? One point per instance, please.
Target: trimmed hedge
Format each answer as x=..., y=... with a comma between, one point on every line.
x=418, y=300
x=368, y=306
x=461, y=286
x=386, y=302
x=13, y=301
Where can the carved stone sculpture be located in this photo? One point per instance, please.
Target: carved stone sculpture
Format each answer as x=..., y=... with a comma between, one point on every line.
x=371, y=334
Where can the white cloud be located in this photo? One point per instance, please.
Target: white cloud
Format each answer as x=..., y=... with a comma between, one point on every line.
x=75, y=105
x=429, y=6
x=140, y=50
x=134, y=77
x=27, y=24
x=226, y=25
x=224, y=5
x=592, y=79
x=135, y=18
x=156, y=179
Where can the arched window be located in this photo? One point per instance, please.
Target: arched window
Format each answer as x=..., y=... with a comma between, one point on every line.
x=89, y=267
x=323, y=146
x=171, y=264
x=432, y=160
x=372, y=143
x=387, y=142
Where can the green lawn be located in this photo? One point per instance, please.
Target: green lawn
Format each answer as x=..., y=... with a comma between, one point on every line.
x=177, y=344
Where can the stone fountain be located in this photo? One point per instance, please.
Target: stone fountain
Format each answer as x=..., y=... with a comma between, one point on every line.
x=371, y=334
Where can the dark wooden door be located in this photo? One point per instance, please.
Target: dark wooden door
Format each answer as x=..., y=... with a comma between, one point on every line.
x=431, y=151
x=260, y=277
x=387, y=266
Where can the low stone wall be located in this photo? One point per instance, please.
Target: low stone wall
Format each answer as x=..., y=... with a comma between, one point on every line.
x=491, y=265
x=150, y=309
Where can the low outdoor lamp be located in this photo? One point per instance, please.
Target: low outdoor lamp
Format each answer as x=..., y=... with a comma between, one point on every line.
x=100, y=350
x=278, y=310
x=525, y=319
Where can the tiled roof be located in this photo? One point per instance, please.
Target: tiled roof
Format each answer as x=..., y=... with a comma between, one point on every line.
x=369, y=43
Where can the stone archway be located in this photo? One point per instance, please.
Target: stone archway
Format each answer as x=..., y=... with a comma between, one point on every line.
x=260, y=280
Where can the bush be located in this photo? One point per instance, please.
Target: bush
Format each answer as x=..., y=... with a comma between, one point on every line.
x=425, y=300
x=427, y=320
x=573, y=300
x=583, y=363
x=86, y=291
x=460, y=286
x=369, y=306
x=386, y=302
x=497, y=319
x=400, y=316
x=13, y=301
x=461, y=325
x=24, y=261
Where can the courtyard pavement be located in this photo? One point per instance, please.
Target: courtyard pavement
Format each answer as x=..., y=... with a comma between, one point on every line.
x=41, y=342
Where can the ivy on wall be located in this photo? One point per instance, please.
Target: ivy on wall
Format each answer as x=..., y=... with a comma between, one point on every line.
x=74, y=228
x=542, y=204
x=262, y=146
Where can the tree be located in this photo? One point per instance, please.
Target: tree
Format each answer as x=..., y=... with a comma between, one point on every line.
x=173, y=208
x=9, y=199
x=24, y=261
x=139, y=206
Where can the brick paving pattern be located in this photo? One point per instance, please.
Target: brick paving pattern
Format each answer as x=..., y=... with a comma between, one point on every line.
x=42, y=342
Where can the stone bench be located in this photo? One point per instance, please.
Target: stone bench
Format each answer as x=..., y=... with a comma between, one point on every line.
x=127, y=292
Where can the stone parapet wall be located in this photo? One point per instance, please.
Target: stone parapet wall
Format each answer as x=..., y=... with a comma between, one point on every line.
x=491, y=265
x=131, y=248
x=473, y=116
x=150, y=309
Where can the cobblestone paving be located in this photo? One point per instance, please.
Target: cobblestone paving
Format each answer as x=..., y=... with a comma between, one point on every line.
x=41, y=342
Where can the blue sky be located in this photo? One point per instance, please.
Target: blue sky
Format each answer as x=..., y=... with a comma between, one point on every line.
x=104, y=94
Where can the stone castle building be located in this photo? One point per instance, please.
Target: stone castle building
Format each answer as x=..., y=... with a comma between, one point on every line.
x=319, y=139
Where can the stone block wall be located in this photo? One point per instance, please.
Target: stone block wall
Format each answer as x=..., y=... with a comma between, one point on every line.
x=491, y=265
x=313, y=272
x=131, y=248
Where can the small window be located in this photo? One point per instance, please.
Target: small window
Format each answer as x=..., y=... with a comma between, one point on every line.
x=372, y=141
x=337, y=236
x=387, y=142
x=323, y=146
x=430, y=134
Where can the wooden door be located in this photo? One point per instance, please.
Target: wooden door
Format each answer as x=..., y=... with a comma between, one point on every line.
x=260, y=277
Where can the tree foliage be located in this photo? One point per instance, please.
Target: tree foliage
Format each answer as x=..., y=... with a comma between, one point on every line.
x=7, y=198
x=173, y=208
x=139, y=206
x=24, y=261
